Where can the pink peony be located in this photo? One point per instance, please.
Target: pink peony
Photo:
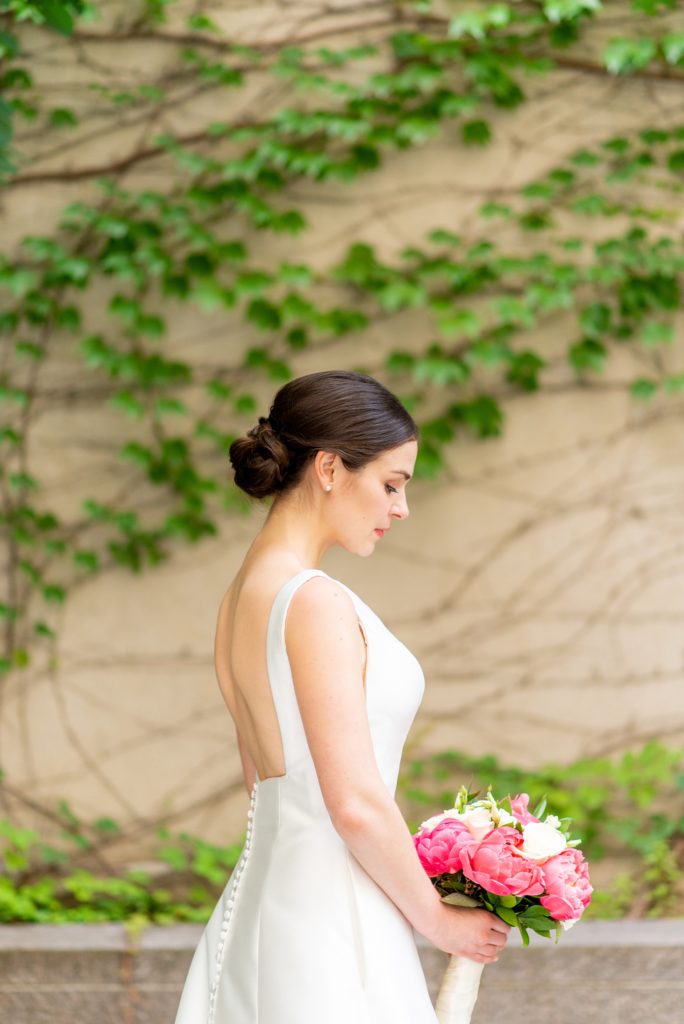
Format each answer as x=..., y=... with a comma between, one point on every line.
x=519, y=809
x=568, y=890
x=493, y=864
x=439, y=848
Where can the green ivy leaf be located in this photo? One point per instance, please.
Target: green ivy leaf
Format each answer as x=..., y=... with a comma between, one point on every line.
x=164, y=406
x=53, y=593
x=42, y=629
x=209, y=294
x=440, y=370
x=244, y=403
x=488, y=210
x=621, y=56
x=9, y=46
x=400, y=293
x=20, y=657
x=567, y=10
x=440, y=236
x=297, y=338
x=654, y=333
x=58, y=15
x=674, y=384
x=128, y=403
x=29, y=349
x=643, y=389
x=596, y=319
x=588, y=354
x=524, y=370
x=218, y=389
x=201, y=23
x=476, y=24
x=62, y=117
x=88, y=560
x=673, y=47
x=265, y=315
x=675, y=161
x=476, y=133
x=482, y=415
x=429, y=461
x=22, y=481
x=460, y=321
x=295, y=275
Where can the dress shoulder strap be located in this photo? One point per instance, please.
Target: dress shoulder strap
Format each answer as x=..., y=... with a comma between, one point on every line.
x=294, y=743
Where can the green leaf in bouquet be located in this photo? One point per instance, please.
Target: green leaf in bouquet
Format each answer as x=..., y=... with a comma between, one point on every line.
x=507, y=915
x=538, y=919
x=540, y=808
x=539, y=928
x=459, y=899
x=508, y=901
x=536, y=910
x=523, y=932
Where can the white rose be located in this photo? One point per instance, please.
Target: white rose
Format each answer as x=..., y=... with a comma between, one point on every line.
x=502, y=817
x=541, y=841
x=478, y=821
x=436, y=818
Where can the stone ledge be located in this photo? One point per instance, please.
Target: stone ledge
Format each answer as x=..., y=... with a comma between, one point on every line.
x=602, y=972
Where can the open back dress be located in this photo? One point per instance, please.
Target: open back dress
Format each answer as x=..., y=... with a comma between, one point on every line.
x=302, y=934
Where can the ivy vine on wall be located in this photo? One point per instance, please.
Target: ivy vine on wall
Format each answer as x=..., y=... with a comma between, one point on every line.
x=595, y=242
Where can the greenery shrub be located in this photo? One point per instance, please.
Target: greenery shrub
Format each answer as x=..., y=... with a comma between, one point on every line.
x=633, y=805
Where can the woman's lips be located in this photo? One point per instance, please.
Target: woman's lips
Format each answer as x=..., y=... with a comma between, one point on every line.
x=380, y=533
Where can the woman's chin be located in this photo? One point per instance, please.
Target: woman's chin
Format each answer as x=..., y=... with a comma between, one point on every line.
x=361, y=548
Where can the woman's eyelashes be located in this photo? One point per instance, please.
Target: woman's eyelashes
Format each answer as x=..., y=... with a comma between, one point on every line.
x=391, y=489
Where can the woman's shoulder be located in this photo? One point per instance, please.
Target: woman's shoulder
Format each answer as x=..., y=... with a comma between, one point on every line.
x=320, y=586
x=318, y=601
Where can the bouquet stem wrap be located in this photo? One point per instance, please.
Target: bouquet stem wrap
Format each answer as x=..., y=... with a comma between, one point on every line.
x=458, y=992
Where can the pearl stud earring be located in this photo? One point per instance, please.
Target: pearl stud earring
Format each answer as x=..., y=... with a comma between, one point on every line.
x=329, y=487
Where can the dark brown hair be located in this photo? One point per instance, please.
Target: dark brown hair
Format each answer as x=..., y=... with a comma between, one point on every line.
x=350, y=414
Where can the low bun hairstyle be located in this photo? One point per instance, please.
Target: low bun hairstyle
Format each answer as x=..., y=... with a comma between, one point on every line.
x=350, y=414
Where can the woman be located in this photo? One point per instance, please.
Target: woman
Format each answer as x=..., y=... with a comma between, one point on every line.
x=315, y=924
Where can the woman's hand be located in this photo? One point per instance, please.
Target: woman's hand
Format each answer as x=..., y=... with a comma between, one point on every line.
x=477, y=934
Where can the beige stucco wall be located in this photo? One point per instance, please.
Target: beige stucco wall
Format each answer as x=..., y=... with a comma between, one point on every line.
x=540, y=581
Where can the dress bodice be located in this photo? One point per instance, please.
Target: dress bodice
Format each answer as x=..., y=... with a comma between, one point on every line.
x=394, y=686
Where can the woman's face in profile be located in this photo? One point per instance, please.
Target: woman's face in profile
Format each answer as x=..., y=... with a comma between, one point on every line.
x=369, y=501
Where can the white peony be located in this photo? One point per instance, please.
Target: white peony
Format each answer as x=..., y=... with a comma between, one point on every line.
x=541, y=841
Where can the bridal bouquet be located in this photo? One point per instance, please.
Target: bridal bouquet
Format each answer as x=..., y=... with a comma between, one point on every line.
x=500, y=856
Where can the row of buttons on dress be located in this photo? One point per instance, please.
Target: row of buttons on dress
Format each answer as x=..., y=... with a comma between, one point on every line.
x=230, y=903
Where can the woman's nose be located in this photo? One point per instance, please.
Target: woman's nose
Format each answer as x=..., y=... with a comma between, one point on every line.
x=401, y=509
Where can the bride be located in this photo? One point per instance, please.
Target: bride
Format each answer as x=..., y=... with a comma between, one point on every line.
x=316, y=923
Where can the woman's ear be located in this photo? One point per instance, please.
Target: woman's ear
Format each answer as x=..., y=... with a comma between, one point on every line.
x=325, y=464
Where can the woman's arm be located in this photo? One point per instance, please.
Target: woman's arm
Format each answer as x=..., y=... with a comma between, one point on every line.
x=322, y=639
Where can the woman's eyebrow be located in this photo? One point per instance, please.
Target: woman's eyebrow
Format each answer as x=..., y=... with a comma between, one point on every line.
x=402, y=472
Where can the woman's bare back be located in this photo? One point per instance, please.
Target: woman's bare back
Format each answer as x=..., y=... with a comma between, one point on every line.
x=240, y=660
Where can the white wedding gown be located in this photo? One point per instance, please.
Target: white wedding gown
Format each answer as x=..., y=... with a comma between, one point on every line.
x=301, y=933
